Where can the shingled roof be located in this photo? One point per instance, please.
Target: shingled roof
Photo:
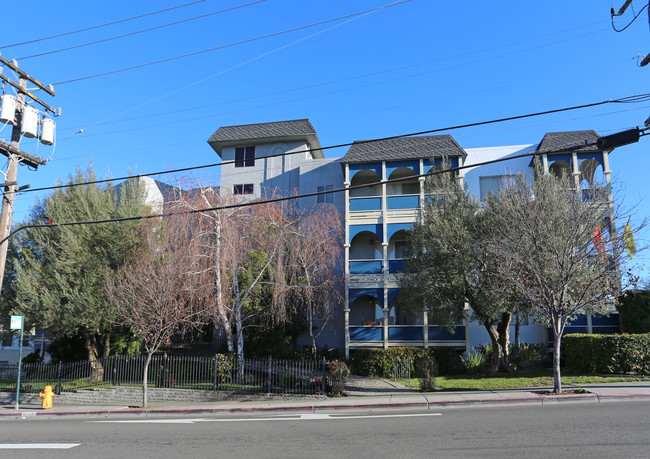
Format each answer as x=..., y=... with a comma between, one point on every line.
x=277, y=131
x=582, y=141
x=403, y=148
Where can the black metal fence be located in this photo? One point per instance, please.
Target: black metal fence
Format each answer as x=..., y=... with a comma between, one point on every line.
x=218, y=372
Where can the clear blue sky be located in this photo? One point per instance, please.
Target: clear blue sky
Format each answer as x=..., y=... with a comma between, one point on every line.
x=411, y=67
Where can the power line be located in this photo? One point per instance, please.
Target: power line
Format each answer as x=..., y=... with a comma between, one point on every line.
x=81, y=45
x=628, y=99
x=261, y=37
x=293, y=197
x=100, y=25
x=629, y=23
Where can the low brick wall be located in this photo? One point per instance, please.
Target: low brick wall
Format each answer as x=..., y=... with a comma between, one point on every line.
x=133, y=396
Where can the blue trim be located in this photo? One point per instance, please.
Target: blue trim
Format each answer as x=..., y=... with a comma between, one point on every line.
x=366, y=333
x=598, y=156
x=428, y=164
x=355, y=293
x=393, y=166
x=606, y=330
x=395, y=266
x=354, y=168
x=553, y=158
x=377, y=230
x=403, y=202
x=393, y=228
x=442, y=334
x=365, y=267
x=392, y=294
x=581, y=319
x=358, y=204
x=611, y=320
x=405, y=333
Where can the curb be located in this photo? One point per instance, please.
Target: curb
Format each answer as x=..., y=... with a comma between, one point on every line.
x=314, y=408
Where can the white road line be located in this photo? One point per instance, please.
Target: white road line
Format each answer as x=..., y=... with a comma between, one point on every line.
x=302, y=417
x=38, y=445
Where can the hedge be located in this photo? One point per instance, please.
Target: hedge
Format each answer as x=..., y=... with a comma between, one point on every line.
x=379, y=362
x=609, y=354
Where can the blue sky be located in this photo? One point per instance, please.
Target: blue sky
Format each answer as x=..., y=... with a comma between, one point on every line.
x=415, y=66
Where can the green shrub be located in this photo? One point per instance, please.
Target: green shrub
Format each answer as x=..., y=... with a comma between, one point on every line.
x=610, y=354
x=634, y=310
x=528, y=352
x=339, y=373
x=380, y=362
x=473, y=362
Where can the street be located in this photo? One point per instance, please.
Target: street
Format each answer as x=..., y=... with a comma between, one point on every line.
x=613, y=429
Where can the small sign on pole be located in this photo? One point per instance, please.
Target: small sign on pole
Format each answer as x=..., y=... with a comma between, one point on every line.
x=17, y=323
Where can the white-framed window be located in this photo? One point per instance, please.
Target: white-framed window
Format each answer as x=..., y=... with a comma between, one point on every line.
x=329, y=197
x=493, y=184
x=244, y=188
x=245, y=156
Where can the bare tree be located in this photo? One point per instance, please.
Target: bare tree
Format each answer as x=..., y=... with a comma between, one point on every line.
x=152, y=294
x=315, y=255
x=560, y=252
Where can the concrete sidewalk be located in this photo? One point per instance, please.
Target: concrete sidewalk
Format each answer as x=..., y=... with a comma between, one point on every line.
x=392, y=397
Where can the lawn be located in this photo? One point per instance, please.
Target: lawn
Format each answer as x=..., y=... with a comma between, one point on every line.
x=518, y=380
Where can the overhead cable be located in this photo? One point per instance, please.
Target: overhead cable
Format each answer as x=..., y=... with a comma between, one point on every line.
x=628, y=99
x=100, y=25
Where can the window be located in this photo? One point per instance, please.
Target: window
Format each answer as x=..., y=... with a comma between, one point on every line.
x=246, y=188
x=492, y=184
x=325, y=197
x=7, y=340
x=245, y=156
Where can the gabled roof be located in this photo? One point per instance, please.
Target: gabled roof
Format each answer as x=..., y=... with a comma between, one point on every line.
x=277, y=131
x=567, y=141
x=403, y=148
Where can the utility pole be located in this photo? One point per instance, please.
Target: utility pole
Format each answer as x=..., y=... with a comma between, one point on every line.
x=12, y=151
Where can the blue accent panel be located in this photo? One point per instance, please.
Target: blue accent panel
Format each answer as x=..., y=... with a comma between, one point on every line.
x=581, y=319
x=428, y=165
x=392, y=294
x=611, y=320
x=567, y=331
x=354, y=168
x=405, y=333
x=353, y=230
x=552, y=158
x=355, y=293
x=598, y=156
x=365, y=204
x=606, y=330
x=395, y=266
x=393, y=166
x=365, y=267
x=366, y=333
x=393, y=228
x=403, y=202
x=442, y=334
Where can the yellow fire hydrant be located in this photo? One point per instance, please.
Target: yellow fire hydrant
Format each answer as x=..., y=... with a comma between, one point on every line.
x=47, y=396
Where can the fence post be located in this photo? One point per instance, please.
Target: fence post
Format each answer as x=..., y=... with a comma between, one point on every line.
x=57, y=389
x=163, y=378
x=270, y=371
x=409, y=362
x=214, y=381
x=323, y=378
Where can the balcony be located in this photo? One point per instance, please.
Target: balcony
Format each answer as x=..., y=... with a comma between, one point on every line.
x=408, y=334
x=366, y=266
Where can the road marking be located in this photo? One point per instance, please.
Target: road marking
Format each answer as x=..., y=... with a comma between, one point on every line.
x=38, y=445
x=302, y=417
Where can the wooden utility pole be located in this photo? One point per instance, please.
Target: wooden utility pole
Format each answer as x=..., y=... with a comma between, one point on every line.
x=13, y=152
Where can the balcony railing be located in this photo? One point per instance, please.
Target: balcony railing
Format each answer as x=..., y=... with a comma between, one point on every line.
x=411, y=201
x=366, y=267
x=365, y=204
x=406, y=333
x=395, y=202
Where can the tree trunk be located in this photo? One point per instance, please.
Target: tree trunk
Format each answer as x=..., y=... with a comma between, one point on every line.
x=219, y=287
x=145, y=376
x=92, y=347
x=517, y=335
x=503, y=328
x=240, y=331
x=557, y=335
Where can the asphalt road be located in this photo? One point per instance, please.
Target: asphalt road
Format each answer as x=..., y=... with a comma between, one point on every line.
x=614, y=429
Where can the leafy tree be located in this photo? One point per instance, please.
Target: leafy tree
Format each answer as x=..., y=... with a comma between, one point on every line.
x=60, y=271
x=634, y=309
x=554, y=251
x=448, y=264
